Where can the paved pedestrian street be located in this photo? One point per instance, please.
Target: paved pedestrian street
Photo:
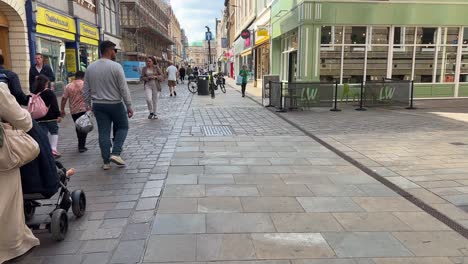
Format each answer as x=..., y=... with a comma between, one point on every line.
x=228, y=181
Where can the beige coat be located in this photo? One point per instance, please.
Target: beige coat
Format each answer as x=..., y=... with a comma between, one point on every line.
x=15, y=238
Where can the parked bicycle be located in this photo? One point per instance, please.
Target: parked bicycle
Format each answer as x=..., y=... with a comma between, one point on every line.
x=220, y=81
x=192, y=83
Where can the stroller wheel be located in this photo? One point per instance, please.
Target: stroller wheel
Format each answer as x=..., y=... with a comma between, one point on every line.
x=59, y=224
x=78, y=203
x=29, y=210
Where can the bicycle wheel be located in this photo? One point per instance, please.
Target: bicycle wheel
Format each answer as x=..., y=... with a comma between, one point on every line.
x=192, y=87
x=223, y=88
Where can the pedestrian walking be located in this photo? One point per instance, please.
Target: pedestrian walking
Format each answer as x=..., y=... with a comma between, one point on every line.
x=16, y=239
x=152, y=75
x=105, y=86
x=13, y=83
x=38, y=69
x=182, y=73
x=74, y=93
x=50, y=121
x=244, y=73
x=172, y=78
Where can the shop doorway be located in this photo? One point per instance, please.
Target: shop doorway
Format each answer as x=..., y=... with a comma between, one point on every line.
x=292, y=62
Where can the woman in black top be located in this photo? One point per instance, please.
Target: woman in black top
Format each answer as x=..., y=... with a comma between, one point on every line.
x=50, y=121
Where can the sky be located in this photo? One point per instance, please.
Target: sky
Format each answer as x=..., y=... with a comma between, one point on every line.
x=194, y=15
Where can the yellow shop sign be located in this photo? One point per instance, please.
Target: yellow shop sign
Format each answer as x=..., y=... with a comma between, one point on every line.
x=89, y=31
x=55, y=32
x=53, y=19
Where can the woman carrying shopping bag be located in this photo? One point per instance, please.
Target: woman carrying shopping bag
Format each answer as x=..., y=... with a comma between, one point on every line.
x=151, y=75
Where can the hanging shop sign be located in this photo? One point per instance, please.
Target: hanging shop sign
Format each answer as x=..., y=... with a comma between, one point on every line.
x=55, y=20
x=262, y=31
x=245, y=34
x=70, y=60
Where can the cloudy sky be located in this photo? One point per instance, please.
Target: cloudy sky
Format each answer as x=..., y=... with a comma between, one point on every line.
x=194, y=15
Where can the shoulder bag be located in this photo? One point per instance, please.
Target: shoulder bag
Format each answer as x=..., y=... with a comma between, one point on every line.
x=17, y=148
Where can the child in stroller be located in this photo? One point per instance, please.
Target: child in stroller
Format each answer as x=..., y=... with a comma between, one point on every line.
x=43, y=178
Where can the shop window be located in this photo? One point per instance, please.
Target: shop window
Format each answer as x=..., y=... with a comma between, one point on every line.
x=464, y=66
x=379, y=35
x=465, y=35
x=424, y=67
x=402, y=63
x=428, y=36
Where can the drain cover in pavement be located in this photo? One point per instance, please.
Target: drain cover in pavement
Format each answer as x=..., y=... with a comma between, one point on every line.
x=217, y=130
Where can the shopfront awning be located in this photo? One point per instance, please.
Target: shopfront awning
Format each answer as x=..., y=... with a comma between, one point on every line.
x=246, y=52
x=261, y=41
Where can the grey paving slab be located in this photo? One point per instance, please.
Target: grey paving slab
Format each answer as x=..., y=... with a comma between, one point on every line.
x=136, y=231
x=184, y=191
x=95, y=246
x=129, y=252
x=232, y=190
x=434, y=243
x=142, y=217
x=421, y=221
x=392, y=204
x=169, y=205
x=414, y=260
x=179, y=224
x=147, y=204
x=212, y=247
x=283, y=190
x=305, y=222
x=271, y=205
x=328, y=204
x=219, y=205
x=291, y=246
x=324, y=190
x=239, y=223
x=93, y=258
x=171, y=248
x=216, y=179
x=380, y=221
x=327, y=261
x=366, y=244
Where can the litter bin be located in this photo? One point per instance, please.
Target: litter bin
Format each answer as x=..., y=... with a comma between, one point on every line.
x=203, y=85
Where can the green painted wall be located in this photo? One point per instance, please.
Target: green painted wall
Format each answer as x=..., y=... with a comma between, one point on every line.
x=284, y=14
x=275, y=49
x=434, y=90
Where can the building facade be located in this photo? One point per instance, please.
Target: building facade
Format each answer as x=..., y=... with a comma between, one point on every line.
x=65, y=32
x=245, y=14
x=145, y=30
x=109, y=21
x=198, y=54
x=184, y=42
x=14, y=45
x=261, y=48
x=350, y=42
x=175, y=51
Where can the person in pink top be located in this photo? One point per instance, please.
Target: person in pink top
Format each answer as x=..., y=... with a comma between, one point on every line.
x=74, y=93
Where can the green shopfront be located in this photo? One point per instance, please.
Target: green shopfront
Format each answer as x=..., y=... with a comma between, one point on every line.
x=351, y=42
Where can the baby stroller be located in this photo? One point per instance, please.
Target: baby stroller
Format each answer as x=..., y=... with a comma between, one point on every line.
x=42, y=179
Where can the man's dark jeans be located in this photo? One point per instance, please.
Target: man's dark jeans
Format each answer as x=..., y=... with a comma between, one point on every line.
x=108, y=115
x=81, y=136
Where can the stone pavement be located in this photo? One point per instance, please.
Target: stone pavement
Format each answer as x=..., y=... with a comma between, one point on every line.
x=423, y=151
x=257, y=191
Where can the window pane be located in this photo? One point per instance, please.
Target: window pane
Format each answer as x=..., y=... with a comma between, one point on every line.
x=330, y=68
x=465, y=35
x=398, y=38
x=377, y=58
x=402, y=63
x=446, y=63
x=380, y=35
x=424, y=66
x=464, y=65
x=427, y=35
x=450, y=36
x=353, y=65
x=358, y=35
x=327, y=35
x=108, y=23
x=409, y=35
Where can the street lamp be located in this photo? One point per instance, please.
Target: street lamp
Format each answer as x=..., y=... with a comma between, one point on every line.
x=208, y=38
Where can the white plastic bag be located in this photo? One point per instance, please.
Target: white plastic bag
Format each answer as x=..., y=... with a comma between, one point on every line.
x=84, y=123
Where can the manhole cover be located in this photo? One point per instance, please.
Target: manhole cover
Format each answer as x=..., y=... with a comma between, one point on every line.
x=458, y=143
x=217, y=130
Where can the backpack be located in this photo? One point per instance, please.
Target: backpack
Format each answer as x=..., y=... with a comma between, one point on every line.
x=37, y=107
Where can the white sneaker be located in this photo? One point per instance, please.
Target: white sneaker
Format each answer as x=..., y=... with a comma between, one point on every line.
x=117, y=160
x=106, y=166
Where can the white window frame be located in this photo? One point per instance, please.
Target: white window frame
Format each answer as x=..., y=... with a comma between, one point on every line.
x=435, y=40
x=358, y=47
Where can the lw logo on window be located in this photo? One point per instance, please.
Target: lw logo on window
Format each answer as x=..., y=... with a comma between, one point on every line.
x=310, y=94
x=386, y=93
